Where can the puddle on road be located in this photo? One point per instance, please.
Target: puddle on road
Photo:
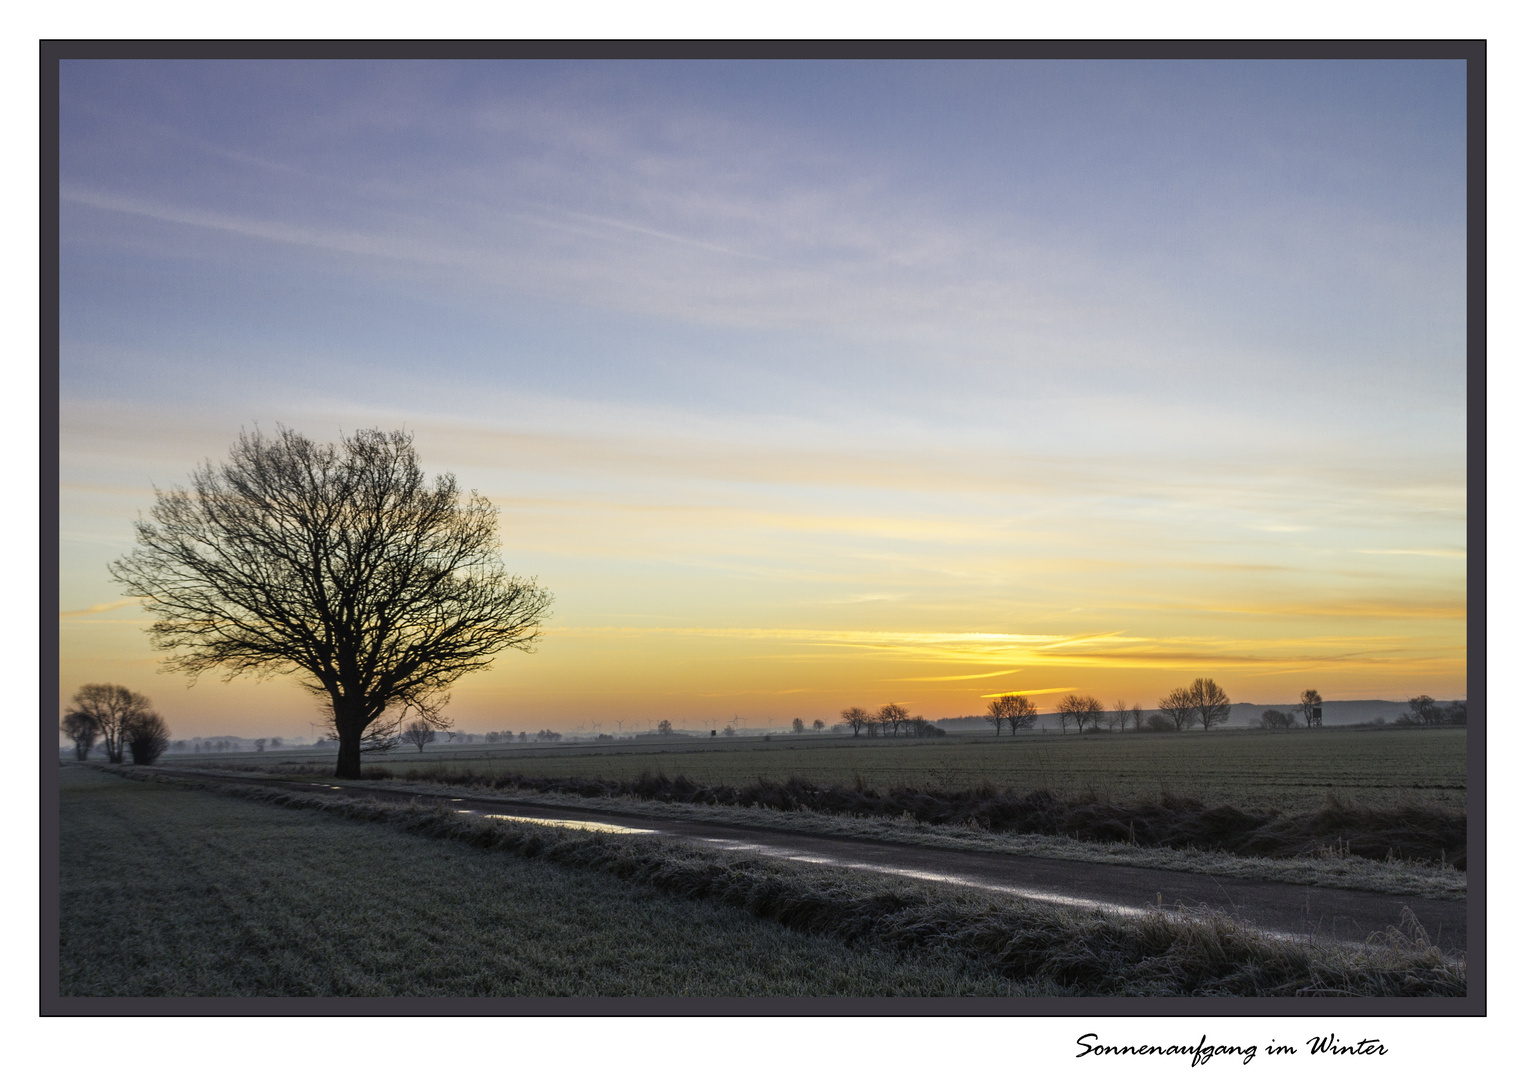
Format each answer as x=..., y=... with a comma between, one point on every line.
x=561, y=823
x=927, y=875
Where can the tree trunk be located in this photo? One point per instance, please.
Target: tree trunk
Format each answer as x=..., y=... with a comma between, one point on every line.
x=348, y=767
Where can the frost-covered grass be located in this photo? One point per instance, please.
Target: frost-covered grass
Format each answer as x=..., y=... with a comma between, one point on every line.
x=1035, y=947
x=171, y=891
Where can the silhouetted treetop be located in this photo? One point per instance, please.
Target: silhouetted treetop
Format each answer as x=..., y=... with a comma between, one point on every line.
x=339, y=563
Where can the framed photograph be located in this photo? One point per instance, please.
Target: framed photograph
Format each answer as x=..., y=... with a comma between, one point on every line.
x=764, y=528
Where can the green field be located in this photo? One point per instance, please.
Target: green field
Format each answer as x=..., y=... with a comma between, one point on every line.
x=166, y=891
x=1262, y=770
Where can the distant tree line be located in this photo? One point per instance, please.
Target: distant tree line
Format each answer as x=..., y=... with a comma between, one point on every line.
x=1425, y=711
x=888, y=721
x=1202, y=703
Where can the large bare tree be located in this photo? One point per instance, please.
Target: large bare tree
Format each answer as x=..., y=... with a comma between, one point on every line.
x=340, y=564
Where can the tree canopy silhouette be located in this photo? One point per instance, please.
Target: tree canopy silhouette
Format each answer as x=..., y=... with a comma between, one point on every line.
x=337, y=563
x=1210, y=704
x=105, y=711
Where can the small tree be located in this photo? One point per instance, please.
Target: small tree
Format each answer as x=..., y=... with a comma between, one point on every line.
x=1210, y=704
x=1137, y=717
x=856, y=718
x=664, y=727
x=891, y=717
x=729, y=731
x=1457, y=713
x=1080, y=709
x=80, y=727
x=275, y=744
x=996, y=712
x=419, y=734
x=1021, y=714
x=1178, y=707
x=111, y=709
x=1308, y=702
x=1120, y=716
x=819, y=725
x=259, y=745
x=147, y=737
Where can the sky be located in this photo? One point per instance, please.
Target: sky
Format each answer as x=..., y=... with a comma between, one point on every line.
x=805, y=385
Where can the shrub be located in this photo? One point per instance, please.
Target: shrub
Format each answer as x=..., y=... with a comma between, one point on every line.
x=147, y=737
x=1272, y=720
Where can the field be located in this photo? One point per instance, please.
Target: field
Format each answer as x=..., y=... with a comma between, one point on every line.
x=166, y=891
x=1288, y=772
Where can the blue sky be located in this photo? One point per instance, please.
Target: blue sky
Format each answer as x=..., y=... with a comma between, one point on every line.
x=1166, y=356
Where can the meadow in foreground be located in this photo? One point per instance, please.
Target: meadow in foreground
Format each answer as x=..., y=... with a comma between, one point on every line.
x=262, y=892
x=169, y=891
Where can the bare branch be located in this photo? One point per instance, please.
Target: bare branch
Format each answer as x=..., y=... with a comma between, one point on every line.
x=340, y=564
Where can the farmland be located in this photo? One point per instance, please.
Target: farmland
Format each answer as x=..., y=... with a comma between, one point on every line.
x=168, y=890
x=1287, y=772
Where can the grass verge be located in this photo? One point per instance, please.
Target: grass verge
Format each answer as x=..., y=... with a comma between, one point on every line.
x=1030, y=944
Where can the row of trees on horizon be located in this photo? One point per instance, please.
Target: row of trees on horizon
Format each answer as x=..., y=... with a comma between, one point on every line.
x=124, y=722
x=890, y=720
x=1204, y=702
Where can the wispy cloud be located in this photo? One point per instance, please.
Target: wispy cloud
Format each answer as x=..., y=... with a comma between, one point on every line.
x=958, y=678
x=1434, y=553
x=97, y=609
x=1040, y=690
